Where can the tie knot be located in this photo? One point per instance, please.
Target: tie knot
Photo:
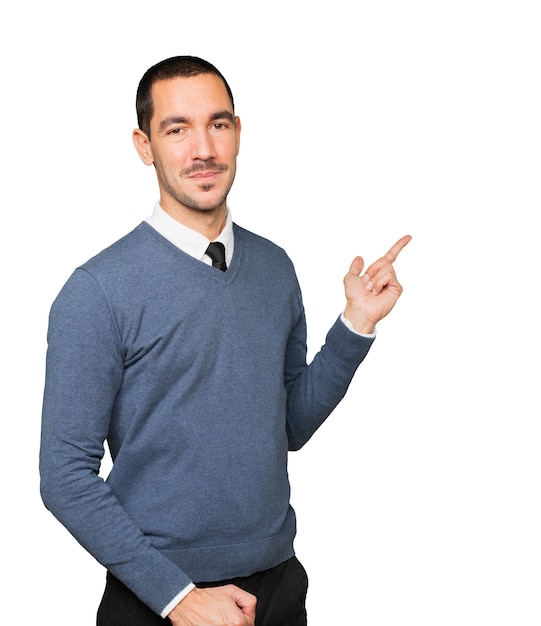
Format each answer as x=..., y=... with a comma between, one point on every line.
x=216, y=251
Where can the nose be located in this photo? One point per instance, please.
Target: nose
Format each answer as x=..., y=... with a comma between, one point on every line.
x=202, y=144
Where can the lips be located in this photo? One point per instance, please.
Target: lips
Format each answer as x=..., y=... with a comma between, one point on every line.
x=203, y=175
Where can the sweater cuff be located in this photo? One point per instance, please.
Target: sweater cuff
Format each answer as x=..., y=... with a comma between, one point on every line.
x=162, y=583
x=348, y=346
x=176, y=600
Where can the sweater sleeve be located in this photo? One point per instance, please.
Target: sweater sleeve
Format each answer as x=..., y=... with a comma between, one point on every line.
x=83, y=374
x=314, y=390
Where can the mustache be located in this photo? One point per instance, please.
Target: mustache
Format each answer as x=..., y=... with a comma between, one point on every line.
x=207, y=166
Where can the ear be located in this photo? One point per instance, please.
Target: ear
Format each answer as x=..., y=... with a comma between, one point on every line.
x=142, y=145
x=237, y=128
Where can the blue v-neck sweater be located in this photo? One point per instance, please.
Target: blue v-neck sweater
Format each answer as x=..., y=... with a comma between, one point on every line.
x=198, y=381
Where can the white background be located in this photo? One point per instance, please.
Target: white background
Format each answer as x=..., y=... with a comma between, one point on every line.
x=418, y=501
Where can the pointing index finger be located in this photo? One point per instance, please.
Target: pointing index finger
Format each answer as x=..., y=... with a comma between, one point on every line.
x=395, y=250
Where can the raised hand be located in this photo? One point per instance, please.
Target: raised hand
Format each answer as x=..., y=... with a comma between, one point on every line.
x=372, y=295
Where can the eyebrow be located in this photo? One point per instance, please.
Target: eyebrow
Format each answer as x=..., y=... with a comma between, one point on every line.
x=169, y=121
x=180, y=119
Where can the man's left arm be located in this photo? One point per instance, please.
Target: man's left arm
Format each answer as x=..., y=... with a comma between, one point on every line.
x=315, y=390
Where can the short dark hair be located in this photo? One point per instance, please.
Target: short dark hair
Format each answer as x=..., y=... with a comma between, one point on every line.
x=173, y=67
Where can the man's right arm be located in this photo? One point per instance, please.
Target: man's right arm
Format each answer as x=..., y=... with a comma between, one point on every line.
x=84, y=373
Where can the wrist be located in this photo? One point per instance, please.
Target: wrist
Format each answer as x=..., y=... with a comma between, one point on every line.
x=360, y=323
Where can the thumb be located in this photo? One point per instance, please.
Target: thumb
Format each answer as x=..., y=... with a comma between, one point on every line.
x=246, y=602
x=357, y=266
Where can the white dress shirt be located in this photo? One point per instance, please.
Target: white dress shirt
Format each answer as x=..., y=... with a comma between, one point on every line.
x=190, y=241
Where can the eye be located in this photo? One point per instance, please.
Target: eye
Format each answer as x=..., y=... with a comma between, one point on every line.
x=177, y=132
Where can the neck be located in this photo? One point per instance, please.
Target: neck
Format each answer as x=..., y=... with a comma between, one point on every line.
x=209, y=223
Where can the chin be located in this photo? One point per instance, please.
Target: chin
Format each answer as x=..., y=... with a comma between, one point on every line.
x=205, y=207
x=210, y=204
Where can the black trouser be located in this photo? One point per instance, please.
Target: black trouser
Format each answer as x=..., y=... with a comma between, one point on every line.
x=280, y=592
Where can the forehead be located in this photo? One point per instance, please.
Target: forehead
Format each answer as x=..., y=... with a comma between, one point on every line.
x=194, y=96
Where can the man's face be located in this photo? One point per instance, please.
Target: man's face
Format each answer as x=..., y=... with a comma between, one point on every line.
x=194, y=143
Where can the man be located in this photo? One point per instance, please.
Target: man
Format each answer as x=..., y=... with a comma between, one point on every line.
x=193, y=368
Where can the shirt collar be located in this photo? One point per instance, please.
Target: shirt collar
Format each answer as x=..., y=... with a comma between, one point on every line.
x=190, y=241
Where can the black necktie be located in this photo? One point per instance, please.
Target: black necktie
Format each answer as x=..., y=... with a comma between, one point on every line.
x=216, y=251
